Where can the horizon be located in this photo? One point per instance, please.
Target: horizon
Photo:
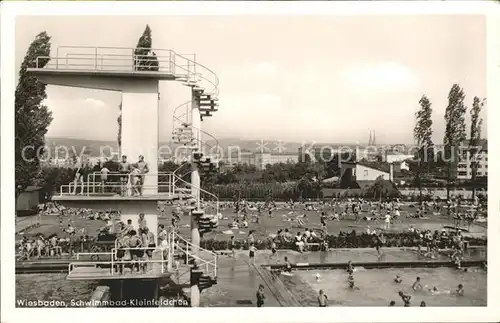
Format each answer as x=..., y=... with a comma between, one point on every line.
x=282, y=91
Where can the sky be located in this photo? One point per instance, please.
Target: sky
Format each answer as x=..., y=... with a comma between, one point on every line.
x=296, y=78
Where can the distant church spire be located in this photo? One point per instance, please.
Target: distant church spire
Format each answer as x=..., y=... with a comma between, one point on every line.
x=370, y=139
x=374, y=142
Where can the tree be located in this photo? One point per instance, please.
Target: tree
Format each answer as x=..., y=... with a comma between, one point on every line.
x=119, y=120
x=32, y=118
x=455, y=130
x=382, y=188
x=423, y=137
x=475, y=137
x=145, y=58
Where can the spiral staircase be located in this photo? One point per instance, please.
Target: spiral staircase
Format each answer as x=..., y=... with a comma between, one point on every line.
x=201, y=149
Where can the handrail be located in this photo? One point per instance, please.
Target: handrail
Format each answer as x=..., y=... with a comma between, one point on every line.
x=114, y=261
x=188, y=113
x=204, y=191
x=177, y=169
x=201, y=141
x=212, y=262
x=191, y=63
x=91, y=181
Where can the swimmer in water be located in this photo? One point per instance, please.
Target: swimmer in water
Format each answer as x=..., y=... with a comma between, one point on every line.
x=288, y=266
x=406, y=298
x=398, y=279
x=350, y=280
x=318, y=276
x=392, y=303
x=460, y=290
x=417, y=285
x=422, y=304
x=350, y=268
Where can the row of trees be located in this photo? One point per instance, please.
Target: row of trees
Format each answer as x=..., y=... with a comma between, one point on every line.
x=454, y=137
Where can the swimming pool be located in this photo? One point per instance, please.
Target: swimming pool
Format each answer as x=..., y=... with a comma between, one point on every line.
x=51, y=287
x=377, y=287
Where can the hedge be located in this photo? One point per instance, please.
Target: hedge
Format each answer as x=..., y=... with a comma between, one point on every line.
x=350, y=240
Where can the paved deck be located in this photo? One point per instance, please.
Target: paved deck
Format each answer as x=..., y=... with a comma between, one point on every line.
x=237, y=283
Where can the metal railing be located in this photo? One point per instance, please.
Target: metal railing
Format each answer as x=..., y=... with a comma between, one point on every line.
x=125, y=59
x=205, y=259
x=79, y=254
x=94, y=186
x=114, y=260
x=177, y=178
x=182, y=121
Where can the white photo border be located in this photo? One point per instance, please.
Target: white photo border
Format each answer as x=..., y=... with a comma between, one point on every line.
x=9, y=11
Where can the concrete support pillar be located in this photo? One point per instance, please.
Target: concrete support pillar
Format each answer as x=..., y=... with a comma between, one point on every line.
x=140, y=128
x=195, y=189
x=195, y=239
x=196, y=126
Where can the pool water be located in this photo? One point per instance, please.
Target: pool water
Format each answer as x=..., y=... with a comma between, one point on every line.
x=377, y=286
x=51, y=287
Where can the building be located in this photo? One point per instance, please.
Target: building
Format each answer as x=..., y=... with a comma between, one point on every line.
x=464, y=166
x=27, y=202
x=263, y=159
x=359, y=174
x=259, y=159
x=400, y=159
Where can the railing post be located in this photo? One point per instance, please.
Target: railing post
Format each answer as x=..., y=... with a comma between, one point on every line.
x=95, y=60
x=194, y=64
x=112, y=262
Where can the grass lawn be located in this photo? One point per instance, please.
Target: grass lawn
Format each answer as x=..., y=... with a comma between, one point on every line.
x=267, y=225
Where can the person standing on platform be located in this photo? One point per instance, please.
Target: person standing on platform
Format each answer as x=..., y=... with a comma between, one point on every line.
x=128, y=228
x=148, y=241
x=124, y=168
x=104, y=177
x=260, y=296
x=143, y=169
x=252, y=251
x=142, y=222
x=79, y=172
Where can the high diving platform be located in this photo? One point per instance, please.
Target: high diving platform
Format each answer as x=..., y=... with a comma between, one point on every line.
x=112, y=68
x=136, y=73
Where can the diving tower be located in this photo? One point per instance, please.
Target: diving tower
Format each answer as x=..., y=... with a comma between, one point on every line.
x=137, y=78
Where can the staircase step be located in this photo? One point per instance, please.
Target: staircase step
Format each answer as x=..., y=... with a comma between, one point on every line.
x=190, y=82
x=209, y=110
x=208, y=104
